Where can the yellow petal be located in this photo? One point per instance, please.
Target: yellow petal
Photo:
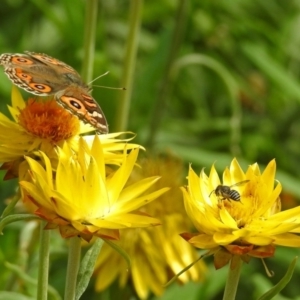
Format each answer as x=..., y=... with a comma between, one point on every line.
x=287, y=240
x=203, y=241
x=136, y=203
x=117, y=182
x=223, y=238
x=227, y=219
x=125, y=221
x=259, y=240
x=136, y=189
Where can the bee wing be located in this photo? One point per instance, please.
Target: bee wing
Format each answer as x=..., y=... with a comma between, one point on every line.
x=240, y=183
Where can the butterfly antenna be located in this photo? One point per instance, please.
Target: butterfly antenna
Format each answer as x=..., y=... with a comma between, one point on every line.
x=110, y=88
x=99, y=77
x=105, y=87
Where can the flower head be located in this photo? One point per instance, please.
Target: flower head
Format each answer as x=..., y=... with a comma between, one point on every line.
x=42, y=125
x=82, y=200
x=249, y=225
x=156, y=253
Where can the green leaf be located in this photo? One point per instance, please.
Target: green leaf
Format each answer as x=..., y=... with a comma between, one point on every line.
x=14, y=218
x=213, y=64
x=86, y=268
x=14, y=296
x=274, y=69
x=188, y=291
x=281, y=284
x=53, y=294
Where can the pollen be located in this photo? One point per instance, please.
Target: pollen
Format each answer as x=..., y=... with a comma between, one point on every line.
x=48, y=120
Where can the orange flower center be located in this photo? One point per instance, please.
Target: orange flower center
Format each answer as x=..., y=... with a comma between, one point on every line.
x=48, y=120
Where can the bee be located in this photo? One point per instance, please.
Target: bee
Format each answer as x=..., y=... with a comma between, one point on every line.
x=227, y=193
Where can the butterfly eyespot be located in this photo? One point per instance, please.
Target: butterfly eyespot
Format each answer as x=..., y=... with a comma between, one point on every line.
x=21, y=60
x=23, y=76
x=40, y=87
x=75, y=104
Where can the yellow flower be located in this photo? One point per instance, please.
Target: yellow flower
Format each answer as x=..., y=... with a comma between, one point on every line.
x=156, y=253
x=43, y=125
x=251, y=226
x=82, y=200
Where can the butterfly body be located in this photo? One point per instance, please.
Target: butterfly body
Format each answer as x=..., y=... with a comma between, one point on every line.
x=43, y=75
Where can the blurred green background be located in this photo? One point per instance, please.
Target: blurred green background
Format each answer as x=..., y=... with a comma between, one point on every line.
x=213, y=80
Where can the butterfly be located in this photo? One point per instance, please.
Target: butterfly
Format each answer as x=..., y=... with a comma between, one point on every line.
x=43, y=75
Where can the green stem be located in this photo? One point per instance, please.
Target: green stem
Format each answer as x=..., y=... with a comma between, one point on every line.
x=43, y=271
x=129, y=65
x=89, y=39
x=72, y=269
x=233, y=278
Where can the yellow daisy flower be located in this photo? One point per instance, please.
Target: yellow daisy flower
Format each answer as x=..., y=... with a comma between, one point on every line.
x=244, y=218
x=43, y=125
x=82, y=200
x=156, y=253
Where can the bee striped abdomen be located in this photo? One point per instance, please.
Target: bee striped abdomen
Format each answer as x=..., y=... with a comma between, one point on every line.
x=234, y=195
